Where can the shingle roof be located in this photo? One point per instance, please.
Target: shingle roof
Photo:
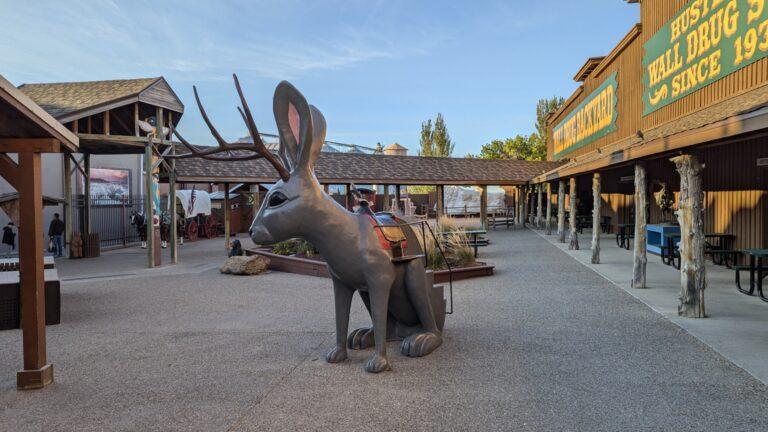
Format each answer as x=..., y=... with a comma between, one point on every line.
x=365, y=169
x=62, y=99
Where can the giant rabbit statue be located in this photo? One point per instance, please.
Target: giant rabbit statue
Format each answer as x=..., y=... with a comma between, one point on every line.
x=374, y=254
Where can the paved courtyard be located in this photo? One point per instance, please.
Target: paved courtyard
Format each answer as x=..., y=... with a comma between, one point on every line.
x=546, y=344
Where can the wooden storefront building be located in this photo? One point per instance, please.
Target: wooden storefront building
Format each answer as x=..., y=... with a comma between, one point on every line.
x=689, y=83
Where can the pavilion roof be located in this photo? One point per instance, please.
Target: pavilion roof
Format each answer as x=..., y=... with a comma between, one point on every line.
x=372, y=169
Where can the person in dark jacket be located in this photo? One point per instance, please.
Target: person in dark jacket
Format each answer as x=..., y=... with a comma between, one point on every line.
x=9, y=237
x=55, y=232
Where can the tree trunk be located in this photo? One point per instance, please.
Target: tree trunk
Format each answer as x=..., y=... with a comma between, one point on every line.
x=596, y=219
x=574, y=241
x=641, y=204
x=693, y=278
x=561, y=211
x=548, y=220
x=538, y=206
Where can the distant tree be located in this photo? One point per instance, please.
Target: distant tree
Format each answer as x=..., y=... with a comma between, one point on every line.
x=520, y=147
x=435, y=140
x=543, y=108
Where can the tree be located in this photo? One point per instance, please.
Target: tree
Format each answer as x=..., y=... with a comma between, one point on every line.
x=520, y=147
x=435, y=140
x=543, y=108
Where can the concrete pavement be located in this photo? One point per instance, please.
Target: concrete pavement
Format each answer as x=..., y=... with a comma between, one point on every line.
x=546, y=344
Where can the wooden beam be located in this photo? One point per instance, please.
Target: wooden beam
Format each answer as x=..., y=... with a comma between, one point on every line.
x=148, y=207
x=693, y=280
x=596, y=207
x=171, y=195
x=539, y=193
x=397, y=199
x=106, y=122
x=548, y=220
x=37, y=372
x=136, y=128
x=574, y=238
x=484, y=206
x=9, y=170
x=561, y=211
x=385, y=205
x=89, y=125
x=87, y=195
x=640, y=260
x=74, y=126
x=37, y=145
x=440, y=201
x=227, y=217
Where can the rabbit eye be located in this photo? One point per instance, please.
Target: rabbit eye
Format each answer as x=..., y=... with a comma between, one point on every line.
x=277, y=199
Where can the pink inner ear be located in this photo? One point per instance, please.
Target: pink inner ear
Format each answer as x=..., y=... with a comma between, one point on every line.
x=294, y=122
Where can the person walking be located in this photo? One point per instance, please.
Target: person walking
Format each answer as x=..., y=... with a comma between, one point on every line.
x=9, y=237
x=55, y=232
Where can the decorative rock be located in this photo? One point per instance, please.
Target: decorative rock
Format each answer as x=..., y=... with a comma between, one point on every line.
x=245, y=265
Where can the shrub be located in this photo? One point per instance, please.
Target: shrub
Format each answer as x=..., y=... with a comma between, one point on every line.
x=293, y=247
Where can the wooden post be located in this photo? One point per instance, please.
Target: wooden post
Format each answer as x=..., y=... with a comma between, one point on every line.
x=596, y=204
x=106, y=122
x=524, y=211
x=86, y=196
x=136, y=129
x=539, y=193
x=397, y=199
x=693, y=277
x=574, y=238
x=641, y=203
x=385, y=203
x=171, y=192
x=548, y=220
x=37, y=372
x=68, y=213
x=148, y=199
x=561, y=211
x=484, y=206
x=227, y=216
x=440, y=198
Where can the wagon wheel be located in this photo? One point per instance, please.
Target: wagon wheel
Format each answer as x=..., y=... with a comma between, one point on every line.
x=192, y=230
x=210, y=227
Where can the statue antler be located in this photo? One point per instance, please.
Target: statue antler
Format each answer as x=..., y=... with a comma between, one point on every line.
x=258, y=149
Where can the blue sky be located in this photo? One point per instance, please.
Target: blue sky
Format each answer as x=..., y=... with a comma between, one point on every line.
x=376, y=69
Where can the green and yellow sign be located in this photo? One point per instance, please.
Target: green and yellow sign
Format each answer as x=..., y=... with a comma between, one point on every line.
x=705, y=41
x=595, y=117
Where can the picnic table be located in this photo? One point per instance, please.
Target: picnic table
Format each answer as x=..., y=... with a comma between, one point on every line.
x=757, y=271
x=626, y=232
x=717, y=245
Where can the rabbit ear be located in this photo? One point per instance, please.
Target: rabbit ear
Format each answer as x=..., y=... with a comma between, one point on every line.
x=299, y=125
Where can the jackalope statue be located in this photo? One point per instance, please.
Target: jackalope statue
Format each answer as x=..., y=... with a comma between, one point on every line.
x=373, y=254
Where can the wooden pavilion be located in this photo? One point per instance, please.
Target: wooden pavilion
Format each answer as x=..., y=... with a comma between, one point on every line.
x=29, y=131
x=115, y=117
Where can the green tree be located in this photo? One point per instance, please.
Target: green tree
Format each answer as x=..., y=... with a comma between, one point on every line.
x=435, y=140
x=543, y=108
x=520, y=147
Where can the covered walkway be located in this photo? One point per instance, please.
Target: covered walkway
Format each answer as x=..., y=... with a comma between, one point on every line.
x=536, y=347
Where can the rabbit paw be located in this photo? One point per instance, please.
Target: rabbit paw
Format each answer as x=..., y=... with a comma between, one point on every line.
x=420, y=344
x=377, y=363
x=360, y=339
x=336, y=355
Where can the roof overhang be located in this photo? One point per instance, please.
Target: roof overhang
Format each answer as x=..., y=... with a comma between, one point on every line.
x=41, y=125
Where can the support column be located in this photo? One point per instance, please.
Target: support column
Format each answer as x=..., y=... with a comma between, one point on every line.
x=574, y=239
x=397, y=199
x=596, y=207
x=548, y=220
x=148, y=197
x=693, y=277
x=86, y=196
x=524, y=211
x=37, y=372
x=385, y=200
x=227, y=217
x=171, y=192
x=641, y=204
x=68, y=213
x=440, y=198
x=561, y=211
x=484, y=206
x=539, y=193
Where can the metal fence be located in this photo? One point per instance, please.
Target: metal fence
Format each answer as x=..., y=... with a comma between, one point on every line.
x=110, y=218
